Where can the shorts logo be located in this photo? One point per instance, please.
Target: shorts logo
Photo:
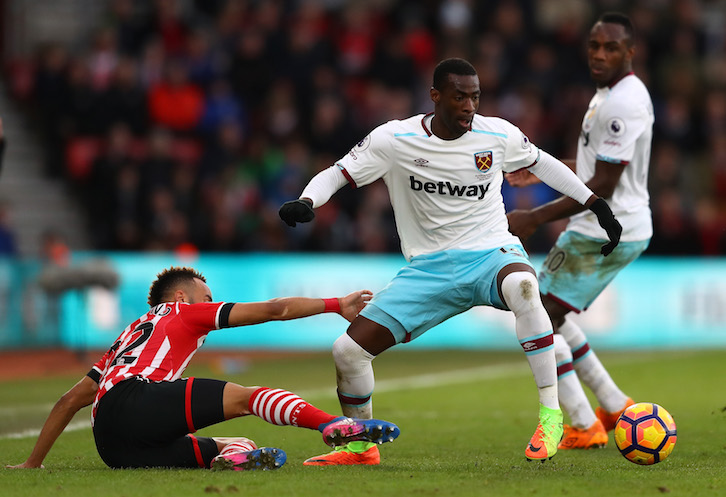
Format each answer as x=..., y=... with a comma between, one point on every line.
x=483, y=160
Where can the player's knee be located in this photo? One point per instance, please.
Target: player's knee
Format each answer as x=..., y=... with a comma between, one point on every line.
x=521, y=292
x=349, y=357
x=236, y=399
x=572, y=333
x=562, y=350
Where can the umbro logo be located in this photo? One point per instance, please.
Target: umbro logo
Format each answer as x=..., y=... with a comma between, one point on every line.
x=421, y=162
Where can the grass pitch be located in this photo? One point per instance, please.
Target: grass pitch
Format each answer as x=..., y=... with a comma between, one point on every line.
x=465, y=419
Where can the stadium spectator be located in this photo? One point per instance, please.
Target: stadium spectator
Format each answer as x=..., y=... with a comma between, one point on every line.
x=176, y=102
x=8, y=243
x=124, y=101
x=293, y=55
x=144, y=413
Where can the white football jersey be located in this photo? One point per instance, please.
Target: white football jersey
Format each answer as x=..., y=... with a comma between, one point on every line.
x=446, y=194
x=618, y=128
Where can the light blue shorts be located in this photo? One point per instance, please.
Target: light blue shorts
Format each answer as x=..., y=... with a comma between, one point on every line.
x=435, y=287
x=574, y=272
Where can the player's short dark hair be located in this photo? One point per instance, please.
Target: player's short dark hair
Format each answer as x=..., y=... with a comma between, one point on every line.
x=168, y=280
x=621, y=19
x=457, y=66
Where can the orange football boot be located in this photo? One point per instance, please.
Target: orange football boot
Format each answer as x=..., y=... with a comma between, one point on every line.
x=345, y=455
x=610, y=418
x=589, y=438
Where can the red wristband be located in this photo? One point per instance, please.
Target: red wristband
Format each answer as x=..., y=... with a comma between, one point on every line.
x=332, y=305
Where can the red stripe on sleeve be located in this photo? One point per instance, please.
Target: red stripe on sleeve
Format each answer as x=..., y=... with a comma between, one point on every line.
x=188, y=405
x=348, y=177
x=197, y=451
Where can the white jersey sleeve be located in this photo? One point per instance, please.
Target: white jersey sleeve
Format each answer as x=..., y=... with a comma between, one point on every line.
x=370, y=159
x=324, y=185
x=621, y=125
x=520, y=152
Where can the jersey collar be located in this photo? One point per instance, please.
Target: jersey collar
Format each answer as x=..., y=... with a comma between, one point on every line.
x=427, y=130
x=423, y=123
x=610, y=86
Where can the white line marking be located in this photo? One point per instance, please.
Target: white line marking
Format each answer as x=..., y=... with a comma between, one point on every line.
x=18, y=410
x=34, y=432
x=431, y=380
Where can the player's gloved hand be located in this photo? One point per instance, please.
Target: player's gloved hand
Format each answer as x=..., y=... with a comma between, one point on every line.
x=297, y=211
x=608, y=222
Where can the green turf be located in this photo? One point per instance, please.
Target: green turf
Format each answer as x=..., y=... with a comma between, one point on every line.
x=463, y=437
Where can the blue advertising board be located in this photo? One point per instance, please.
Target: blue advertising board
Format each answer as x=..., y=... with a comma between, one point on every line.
x=654, y=303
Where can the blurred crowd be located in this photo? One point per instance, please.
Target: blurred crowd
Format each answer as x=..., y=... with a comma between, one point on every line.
x=183, y=125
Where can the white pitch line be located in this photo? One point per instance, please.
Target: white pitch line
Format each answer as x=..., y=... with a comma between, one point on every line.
x=430, y=380
x=34, y=432
x=17, y=410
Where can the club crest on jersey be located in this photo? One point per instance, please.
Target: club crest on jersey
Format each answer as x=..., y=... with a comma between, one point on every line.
x=483, y=160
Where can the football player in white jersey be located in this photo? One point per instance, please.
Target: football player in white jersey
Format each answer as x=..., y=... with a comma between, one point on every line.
x=613, y=155
x=444, y=175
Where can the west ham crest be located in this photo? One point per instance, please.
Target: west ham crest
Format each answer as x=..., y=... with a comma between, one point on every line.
x=483, y=160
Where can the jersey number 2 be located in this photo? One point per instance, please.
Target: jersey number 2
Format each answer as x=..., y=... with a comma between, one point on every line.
x=145, y=329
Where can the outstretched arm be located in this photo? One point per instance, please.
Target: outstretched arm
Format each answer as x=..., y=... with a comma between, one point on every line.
x=286, y=308
x=524, y=177
x=75, y=399
x=578, y=197
x=316, y=193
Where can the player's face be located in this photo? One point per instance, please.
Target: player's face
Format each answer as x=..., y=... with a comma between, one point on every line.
x=199, y=292
x=609, y=55
x=455, y=106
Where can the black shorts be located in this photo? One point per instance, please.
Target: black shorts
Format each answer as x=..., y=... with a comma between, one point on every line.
x=148, y=424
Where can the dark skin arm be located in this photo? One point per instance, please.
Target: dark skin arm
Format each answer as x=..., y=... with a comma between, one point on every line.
x=523, y=223
x=75, y=399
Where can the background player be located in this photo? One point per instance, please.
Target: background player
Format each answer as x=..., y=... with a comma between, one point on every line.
x=144, y=412
x=613, y=155
x=444, y=176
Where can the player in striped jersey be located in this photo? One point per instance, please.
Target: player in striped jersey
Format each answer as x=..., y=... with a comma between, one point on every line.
x=144, y=413
x=443, y=172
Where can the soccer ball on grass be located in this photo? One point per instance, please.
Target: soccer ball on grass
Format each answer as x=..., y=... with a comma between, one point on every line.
x=645, y=433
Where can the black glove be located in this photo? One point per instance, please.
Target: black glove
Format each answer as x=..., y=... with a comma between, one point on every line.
x=609, y=224
x=300, y=211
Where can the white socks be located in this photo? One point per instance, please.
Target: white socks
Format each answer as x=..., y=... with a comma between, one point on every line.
x=355, y=377
x=590, y=370
x=534, y=332
x=572, y=397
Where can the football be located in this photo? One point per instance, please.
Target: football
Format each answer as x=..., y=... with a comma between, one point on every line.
x=645, y=433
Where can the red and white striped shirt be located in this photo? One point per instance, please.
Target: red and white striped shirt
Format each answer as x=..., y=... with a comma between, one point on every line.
x=159, y=345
